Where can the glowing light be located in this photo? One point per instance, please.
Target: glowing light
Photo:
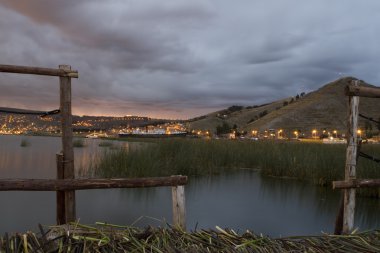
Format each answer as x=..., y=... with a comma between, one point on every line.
x=314, y=133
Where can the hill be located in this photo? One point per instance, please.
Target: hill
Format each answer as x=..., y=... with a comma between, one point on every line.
x=325, y=108
x=234, y=115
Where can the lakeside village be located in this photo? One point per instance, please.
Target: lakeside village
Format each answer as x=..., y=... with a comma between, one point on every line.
x=136, y=126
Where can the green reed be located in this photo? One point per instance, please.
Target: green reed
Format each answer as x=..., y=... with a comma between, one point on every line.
x=318, y=163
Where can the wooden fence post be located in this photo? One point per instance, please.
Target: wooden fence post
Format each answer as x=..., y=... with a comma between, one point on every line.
x=178, y=198
x=67, y=141
x=350, y=168
x=61, y=217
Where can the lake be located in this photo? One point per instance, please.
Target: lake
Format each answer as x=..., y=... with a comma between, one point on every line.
x=239, y=200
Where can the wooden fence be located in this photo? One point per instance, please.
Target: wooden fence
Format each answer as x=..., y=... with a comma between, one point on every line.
x=350, y=183
x=66, y=184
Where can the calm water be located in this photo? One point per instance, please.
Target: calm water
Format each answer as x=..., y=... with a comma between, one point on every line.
x=240, y=200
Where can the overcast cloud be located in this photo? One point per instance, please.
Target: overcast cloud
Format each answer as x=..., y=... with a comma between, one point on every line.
x=180, y=58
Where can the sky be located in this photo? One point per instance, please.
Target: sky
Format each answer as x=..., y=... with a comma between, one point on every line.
x=180, y=59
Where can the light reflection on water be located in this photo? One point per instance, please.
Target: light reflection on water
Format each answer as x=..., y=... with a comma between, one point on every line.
x=240, y=200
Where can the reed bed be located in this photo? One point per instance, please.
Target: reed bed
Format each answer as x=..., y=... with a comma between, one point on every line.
x=105, y=144
x=319, y=163
x=78, y=143
x=111, y=238
x=25, y=143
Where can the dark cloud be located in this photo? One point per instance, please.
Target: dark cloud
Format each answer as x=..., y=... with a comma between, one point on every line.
x=180, y=58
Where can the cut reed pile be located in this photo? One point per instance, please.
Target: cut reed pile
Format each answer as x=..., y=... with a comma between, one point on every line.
x=109, y=238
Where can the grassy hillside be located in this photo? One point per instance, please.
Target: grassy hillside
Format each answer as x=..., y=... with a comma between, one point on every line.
x=241, y=117
x=325, y=108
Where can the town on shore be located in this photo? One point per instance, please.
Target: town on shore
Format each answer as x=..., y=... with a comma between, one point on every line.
x=136, y=126
x=319, y=115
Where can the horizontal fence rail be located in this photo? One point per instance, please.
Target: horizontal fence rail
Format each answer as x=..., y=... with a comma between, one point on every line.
x=38, y=71
x=361, y=91
x=84, y=184
x=357, y=183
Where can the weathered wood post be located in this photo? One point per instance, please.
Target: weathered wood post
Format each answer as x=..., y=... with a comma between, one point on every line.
x=178, y=198
x=67, y=141
x=61, y=217
x=350, y=168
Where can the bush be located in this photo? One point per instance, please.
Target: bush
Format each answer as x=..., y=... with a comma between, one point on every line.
x=235, y=108
x=225, y=128
x=263, y=113
x=25, y=143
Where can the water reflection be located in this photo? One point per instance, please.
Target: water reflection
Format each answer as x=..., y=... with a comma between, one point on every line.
x=240, y=200
x=299, y=201
x=38, y=159
x=125, y=206
x=367, y=213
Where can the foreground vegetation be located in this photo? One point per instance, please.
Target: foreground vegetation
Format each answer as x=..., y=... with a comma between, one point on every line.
x=319, y=163
x=109, y=238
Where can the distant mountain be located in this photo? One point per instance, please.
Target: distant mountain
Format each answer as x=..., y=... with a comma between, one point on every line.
x=325, y=108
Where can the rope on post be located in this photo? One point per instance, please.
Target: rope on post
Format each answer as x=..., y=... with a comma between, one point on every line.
x=364, y=155
x=369, y=118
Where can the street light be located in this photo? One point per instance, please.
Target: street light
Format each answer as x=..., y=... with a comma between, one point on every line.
x=279, y=134
x=296, y=134
x=314, y=133
x=360, y=133
x=336, y=133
